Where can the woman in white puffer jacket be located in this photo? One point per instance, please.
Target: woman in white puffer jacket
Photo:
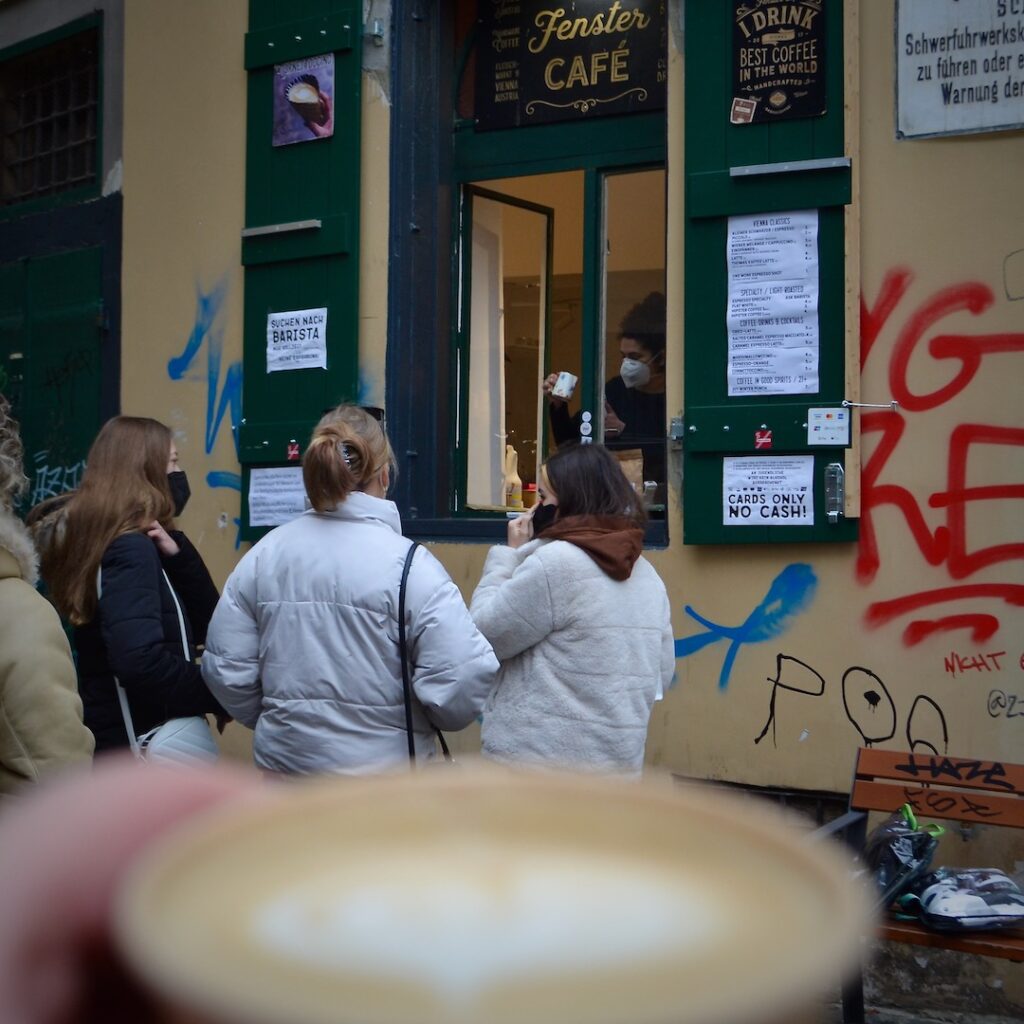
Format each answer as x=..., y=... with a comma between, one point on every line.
x=303, y=646
x=580, y=621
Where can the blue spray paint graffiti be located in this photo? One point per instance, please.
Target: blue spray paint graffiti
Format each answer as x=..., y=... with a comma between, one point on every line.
x=790, y=593
x=221, y=398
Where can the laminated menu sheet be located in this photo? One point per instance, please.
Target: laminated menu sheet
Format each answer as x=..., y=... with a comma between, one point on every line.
x=772, y=310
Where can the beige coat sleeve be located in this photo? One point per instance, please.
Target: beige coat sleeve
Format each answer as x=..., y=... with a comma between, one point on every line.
x=40, y=711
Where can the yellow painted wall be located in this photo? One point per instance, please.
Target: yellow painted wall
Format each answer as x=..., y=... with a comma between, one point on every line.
x=184, y=193
x=940, y=220
x=184, y=197
x=939, y=229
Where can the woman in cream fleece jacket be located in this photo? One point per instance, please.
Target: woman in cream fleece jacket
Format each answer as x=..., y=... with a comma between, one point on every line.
x=580, y=623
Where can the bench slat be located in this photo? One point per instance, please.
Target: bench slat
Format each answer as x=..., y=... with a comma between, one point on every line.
x=929, y=802
x=994, y=776
x=958, y=789
x=1007, y=944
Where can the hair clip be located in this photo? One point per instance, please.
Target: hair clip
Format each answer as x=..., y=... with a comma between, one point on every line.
x=345, y=452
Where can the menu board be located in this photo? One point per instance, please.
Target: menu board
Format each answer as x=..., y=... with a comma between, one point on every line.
x=772, y=308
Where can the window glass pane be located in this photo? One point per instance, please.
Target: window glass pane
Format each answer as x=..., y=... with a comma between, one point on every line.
x=48, y=106
x=633, y=318
x=507, y=335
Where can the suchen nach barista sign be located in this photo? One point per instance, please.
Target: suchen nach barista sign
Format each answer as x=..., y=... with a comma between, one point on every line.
x=542, y=62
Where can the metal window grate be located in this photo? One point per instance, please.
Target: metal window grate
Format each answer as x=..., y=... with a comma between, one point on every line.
x=49, y=109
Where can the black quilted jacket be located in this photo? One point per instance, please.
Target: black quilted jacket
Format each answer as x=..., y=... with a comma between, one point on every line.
x=135, y=636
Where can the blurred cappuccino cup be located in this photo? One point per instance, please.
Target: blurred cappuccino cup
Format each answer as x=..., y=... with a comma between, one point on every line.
x=477, y=894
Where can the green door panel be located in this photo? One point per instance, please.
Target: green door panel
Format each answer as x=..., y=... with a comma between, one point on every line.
x=725, y=176
x=301, y=239
x=51, y=322
x=276, y=402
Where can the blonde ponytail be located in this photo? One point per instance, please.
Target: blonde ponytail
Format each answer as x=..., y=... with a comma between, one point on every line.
x=348, y=451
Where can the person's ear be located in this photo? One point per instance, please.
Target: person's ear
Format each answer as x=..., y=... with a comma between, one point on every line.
x=385, y=478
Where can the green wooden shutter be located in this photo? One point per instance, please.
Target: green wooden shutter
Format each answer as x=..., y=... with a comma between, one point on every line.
x=51, y=322
x=736, y=169
x=300, y=247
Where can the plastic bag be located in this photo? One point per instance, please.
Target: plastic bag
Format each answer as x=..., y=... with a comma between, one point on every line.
x=964, y=899
x=899, y=851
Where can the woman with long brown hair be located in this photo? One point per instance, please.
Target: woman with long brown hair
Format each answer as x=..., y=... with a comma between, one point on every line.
x=119, y=572
x=579, y=620
x=305, y=645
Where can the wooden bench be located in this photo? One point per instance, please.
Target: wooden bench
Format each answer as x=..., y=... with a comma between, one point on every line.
x=936, y=786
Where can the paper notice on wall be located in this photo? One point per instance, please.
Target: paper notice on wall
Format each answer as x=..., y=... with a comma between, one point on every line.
x=768, y=490
x=297, y=340
x=276, y=496
x=772, y=309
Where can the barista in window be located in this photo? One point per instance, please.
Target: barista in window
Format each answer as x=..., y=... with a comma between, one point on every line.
x=634, y=401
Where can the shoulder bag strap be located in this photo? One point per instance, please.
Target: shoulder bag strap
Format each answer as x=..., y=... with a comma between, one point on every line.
x=404, y=654
x=122, y=696
x=403, y=651
x=181, y=617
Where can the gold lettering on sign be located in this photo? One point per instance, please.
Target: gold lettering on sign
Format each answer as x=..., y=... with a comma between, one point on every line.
x=613, y=65
x=554, y=23
x=782, y=14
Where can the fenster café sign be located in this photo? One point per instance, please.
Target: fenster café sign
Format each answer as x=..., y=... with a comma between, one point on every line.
x=538, y=63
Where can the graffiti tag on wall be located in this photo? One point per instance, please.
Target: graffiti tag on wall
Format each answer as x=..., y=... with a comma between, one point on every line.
x=869, y=706
x=223, y=397
x=50, y=480
x=789, y=594
x=946, y=545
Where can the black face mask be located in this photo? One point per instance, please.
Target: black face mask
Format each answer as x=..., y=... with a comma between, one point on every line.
x=543, y=518
x=180, y=490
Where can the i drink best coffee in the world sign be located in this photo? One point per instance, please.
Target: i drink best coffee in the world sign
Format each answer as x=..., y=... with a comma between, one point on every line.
x=778, y=60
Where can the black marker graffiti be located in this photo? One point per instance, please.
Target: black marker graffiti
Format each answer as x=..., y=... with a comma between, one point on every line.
x=56, y=374
x=866, y=701
x=868, y=705
x=1001, y=703
x=939, y=769
x=918, y=730
x=777, y=684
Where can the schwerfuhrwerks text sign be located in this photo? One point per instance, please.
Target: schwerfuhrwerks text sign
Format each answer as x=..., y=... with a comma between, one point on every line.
x=959, y=66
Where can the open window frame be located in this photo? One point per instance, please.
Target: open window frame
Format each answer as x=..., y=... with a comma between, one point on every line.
x=434, y=156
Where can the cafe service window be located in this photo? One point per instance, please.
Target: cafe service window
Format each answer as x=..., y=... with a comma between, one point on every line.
x=528, y=313
x=559, y=207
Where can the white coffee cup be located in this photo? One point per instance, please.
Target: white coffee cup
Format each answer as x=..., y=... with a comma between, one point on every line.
x=565, y=385
x=481, y=894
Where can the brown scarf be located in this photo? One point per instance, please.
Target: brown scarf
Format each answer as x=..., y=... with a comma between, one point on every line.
x=613, y=542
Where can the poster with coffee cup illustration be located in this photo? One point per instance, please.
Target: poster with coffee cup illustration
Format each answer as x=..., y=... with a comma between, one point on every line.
x=304, y=100
x=778, y=60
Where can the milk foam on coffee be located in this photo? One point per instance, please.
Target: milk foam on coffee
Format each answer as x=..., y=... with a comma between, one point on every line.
x=486, y=916
x=303, y=92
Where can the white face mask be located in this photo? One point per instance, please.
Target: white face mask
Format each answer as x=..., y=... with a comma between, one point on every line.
x=634, y=373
